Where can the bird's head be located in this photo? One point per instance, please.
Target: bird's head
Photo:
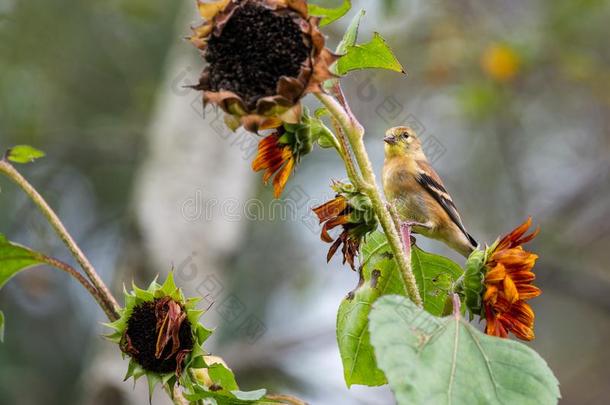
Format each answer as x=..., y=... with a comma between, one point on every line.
x=402, y=141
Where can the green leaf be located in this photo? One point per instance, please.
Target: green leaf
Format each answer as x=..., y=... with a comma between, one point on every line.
x=351, y=34
x=24, y=154
x=228, y=398
x=434, y=275
x=1, y=327
x=13, y=259
x=329, y=15
x=223, y=377
x=381, y=276
x=447, y=361
x=375, y=54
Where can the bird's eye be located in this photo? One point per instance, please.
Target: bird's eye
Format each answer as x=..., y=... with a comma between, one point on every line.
x=405, y=135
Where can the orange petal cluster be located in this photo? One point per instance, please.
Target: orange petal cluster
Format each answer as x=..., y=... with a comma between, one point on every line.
x=332, y=214
x=275, y=159
x=508, y=283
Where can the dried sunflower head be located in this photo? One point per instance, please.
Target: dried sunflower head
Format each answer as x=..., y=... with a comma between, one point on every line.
x=263, y=56
x=160, y=331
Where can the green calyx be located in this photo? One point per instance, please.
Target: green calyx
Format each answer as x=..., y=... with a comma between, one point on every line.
x=472, y=284
x=192, y=333
x=361, y=213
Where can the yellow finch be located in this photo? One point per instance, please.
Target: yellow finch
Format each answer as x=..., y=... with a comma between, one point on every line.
x=417, y=192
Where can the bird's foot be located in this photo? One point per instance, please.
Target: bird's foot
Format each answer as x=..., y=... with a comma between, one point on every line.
x=412, y=224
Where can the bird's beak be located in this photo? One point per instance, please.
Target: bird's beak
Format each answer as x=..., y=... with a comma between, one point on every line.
x=390, y=140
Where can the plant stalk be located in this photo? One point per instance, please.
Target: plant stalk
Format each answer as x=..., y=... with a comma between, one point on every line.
x=110, y=305
x=355, y=133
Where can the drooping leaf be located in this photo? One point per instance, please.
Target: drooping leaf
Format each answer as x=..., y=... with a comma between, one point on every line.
x=1, y=327
x=351, y=34
x=24, y=154
x=380, y=276
x=447, y=361
x=14, y=258
x=375, y=54
x=329, y=15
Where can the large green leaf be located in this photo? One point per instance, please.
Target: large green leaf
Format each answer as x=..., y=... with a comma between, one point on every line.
x=329, y=15
x=447, y=361
x=375, y=54
x=13, y=259
x=380, y=276
x=24, y=154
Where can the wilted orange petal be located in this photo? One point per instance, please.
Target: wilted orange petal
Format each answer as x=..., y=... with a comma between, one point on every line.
x=522, y=331
x=515, y=257
x=527, y=292
x=510, y=290
x=491, y=294
x=279, y=182
x=498, y=273
x=330, y=209
x=522, y=312
x=333, y=249
x=522, y=277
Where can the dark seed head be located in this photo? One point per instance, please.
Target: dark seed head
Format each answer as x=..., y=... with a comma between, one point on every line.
x=142, y=335
x=255, y=48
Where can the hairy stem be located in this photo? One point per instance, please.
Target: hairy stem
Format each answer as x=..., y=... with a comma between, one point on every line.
x=355, y=132
x=110, y=303
x=346, y=155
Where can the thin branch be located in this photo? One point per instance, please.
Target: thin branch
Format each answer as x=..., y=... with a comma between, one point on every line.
x=51, y=261
x=110, y=303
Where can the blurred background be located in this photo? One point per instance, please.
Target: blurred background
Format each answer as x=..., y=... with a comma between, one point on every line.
x=511, y=97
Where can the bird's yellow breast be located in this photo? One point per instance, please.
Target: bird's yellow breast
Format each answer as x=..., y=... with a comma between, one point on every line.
x=402, y=189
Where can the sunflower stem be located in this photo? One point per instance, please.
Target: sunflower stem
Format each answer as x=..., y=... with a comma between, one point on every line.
x=346, y=155
x=111, y=307
x=355, y=134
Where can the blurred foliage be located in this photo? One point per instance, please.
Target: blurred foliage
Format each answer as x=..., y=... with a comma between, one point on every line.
x=77, y=79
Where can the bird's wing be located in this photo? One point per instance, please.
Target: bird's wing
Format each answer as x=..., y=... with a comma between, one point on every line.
x=431, y=181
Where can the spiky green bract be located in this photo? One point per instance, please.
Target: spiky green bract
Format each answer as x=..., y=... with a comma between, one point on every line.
x=194, y=360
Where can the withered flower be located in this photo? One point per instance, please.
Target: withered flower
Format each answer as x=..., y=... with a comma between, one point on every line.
x=160, y=332
x=279, y=153
x=351, y=210
x=263, y=56
x=158, y=336
x=508, y=285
